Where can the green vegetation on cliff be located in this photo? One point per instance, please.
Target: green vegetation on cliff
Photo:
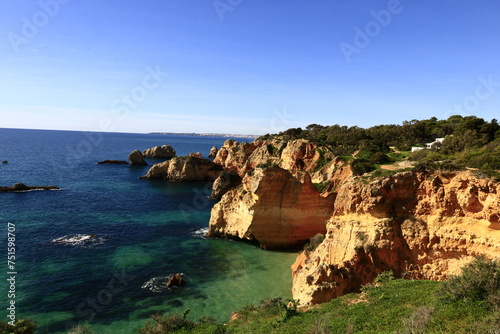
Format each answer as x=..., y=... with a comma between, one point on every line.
x=469, y=142
x=469, y=303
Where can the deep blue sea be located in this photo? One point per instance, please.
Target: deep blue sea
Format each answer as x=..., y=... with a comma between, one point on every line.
x=145, y=231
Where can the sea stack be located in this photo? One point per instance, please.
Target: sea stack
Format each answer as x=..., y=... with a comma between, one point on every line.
x=160, y=152
x=137, y=159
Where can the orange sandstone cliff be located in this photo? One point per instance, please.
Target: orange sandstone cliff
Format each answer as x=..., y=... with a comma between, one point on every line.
x=417, y=224
x=272, y=207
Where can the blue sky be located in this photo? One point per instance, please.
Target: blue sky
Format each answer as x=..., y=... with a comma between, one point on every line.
x=241, y=66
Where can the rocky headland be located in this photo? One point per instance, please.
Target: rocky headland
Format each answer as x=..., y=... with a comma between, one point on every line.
x=420, y=224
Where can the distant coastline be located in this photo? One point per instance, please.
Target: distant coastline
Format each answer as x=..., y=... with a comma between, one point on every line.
x=224, y=135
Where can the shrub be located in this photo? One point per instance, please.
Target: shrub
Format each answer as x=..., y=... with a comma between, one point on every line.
x=384, y=277
x=314, y=242
x=80, y=329
x=21, y=326
x=380, y=158
x=479, y=281
x=418, y=322
x=166, y=324
x=361, y=166
x=271, y=149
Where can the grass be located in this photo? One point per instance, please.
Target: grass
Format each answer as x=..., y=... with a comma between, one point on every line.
x=400, y=156
x=390, y=306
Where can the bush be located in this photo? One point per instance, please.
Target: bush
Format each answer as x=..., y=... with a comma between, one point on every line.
x=361, y=166
x=418, y=322
x=384, y=277
x=380, y=158
x=314, y=242
x=21, y=326
x=166, y=324
x=80, y=329
x=479, y=281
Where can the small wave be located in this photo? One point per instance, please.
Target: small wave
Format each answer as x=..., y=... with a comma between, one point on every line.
x=158, y=284
x=201, y=233
x=78, y=240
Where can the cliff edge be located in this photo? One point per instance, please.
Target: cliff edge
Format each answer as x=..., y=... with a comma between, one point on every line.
x=418, y=224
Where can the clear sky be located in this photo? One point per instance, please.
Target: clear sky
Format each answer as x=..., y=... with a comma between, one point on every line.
x=242, y=66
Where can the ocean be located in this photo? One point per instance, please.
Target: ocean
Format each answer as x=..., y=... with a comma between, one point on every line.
x=142, y=232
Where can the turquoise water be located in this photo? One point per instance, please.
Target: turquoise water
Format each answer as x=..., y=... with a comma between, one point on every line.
x=145, y=229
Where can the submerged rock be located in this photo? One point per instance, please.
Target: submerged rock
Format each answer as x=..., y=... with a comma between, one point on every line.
x=5, y=162
x=21, y=187
x=112, y=162
x=78, y=240
x=136, y=158
x=160, y=152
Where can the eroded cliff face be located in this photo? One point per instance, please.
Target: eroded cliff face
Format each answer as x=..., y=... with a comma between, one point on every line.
x=184, y=169
x=417, y=224
x=273, y=207
x=294, y=155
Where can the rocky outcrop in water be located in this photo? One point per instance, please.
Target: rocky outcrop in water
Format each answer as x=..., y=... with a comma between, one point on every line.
x=176, y=280
x=20, y=187
x=137, y=159
x=112, y=162
x=5, y=162
x=184, y=169
x=272, y=207
x=417, y=224
x=160, y=152
x=213, y=152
